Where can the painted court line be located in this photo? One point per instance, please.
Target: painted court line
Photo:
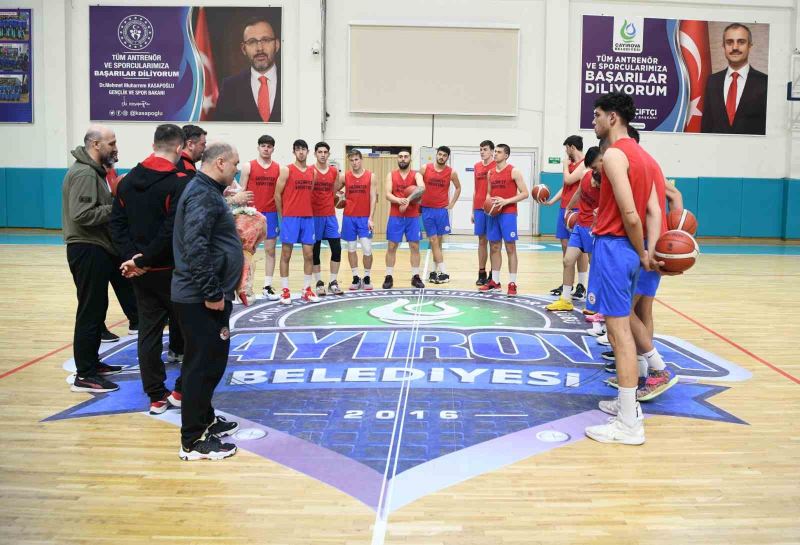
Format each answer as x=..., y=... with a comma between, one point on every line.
x=300, y=414
x=733, y=344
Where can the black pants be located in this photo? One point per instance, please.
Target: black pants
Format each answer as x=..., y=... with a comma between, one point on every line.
x=92, y=268
x=124, y=292
x=207, y=341
x=152, y=297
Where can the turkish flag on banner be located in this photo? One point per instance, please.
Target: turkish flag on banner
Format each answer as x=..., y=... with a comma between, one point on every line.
x=696, y=54
x=210, y=88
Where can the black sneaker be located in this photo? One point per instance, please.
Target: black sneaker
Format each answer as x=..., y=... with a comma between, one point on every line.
x=133, y=328
x=416, y=282
x=367, y=283
x=443, y=278
x=611, y=367
x=580, y=293
x=320, y=288
x=207, y=448
x=356, y=285
x=388, y=282
x=556, y=291
x=103, y=369
x=334, y=289
x=95, y=385
x=107, y=337
x=432, y=277
x=608, y=356
x=221, y=427
x=482, y=278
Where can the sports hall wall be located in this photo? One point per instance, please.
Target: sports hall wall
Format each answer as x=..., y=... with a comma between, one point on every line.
x=738, y=185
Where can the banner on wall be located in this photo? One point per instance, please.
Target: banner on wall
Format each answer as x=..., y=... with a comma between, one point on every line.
x=16, y=84
x=185, y=64
x=680, y=73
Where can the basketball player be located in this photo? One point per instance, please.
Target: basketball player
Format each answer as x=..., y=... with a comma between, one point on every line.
x=195, y=138
x=403, y=218
x=293, y=202
x=574, y=171
x=260, y=176
x=325, y=223
x=361, y=194
x=581, y=240
x=478, y=215
x=435, y=208
x=507, y=188
x=627, y=195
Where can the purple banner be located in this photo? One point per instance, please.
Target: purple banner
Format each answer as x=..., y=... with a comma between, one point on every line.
x=16, y=83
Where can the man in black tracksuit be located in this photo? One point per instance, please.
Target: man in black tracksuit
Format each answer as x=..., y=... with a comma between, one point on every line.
x=208, y=265
x=142, y=219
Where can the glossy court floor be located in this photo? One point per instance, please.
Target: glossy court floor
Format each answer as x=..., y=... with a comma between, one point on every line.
x=338, y=448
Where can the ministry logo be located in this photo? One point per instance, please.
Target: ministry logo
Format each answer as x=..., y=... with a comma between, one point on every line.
x=135, y=32
x=392, y=395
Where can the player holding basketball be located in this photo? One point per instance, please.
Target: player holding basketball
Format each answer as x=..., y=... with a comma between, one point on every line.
x=260, y=176
x=506, y=188
x=361, y=194
x=293, y=202
x=479, y=197
x=435, y=208
x=326, y=226
x=403, y=218
x=627, y=196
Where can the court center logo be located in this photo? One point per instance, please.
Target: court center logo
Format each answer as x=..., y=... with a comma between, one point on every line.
x=392, y=395
x=135, y=32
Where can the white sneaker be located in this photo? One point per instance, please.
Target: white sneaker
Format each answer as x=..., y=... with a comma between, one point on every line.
x=603, y=339
x=597, y=329
x=609, y=406
x=286, y=297
x=615, y=431
x=270, y=294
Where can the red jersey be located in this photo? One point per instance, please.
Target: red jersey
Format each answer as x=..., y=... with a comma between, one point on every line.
x=437, y=187
x=661, y=191
x=262, y=183
x=399, y=185
x=322, y=197
x=112, y=179
x=297, y=192
x=480, y=171
x=357, y=193
x=569, y=190
x=609, y=219
x=501, y=184
x=590, y=196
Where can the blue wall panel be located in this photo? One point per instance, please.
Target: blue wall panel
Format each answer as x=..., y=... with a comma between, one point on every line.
x=52, y=179
x=689, y=190
x=24, y=197
x=548, y=214
x=791, y=228
x=762, y=207
x=3, y=199
x=719, y=205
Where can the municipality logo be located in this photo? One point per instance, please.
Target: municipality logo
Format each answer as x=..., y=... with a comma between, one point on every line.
x=418, y=389
x=135, y=32
x=628, y=34
x=627, y=31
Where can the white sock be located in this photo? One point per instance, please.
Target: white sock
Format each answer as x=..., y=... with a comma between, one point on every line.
x=627, y=406
x=566, y=291
x=316, y=276
x=496, y=276
x=333, y=277
x=366, y=272
x=284, y=282
x=512, y=277
x=414, y=271
x=583, y=278
x=267, y=280
x=441, y=268
x=389, y=271
x=642, y=363
x=355, y=271
x=654, y=360
x=306, y=281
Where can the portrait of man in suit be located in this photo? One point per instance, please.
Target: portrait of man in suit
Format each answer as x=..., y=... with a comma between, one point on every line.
x=736, y=98
x=254, y=94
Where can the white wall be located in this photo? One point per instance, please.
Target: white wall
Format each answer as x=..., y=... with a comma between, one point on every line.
x=549, y=84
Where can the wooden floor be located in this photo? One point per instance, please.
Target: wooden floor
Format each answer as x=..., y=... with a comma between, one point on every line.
x=117, y=479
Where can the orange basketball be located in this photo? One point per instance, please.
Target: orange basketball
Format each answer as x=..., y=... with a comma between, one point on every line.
x=682, y=220
x=339, y=200
x=571, y=219
x=678, y=250
x=540, y=193
x=489, y=207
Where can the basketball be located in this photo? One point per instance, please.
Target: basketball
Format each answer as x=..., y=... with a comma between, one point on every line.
x=339, y=200
x=571, y=219
x=489, y=207
x=413, y=192
x=682, y=220
x=678, y=250
x=540, y=193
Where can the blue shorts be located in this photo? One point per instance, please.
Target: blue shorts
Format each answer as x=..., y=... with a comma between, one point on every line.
x=397, y=226
x=502, y=227
x=355, y=227
x=648, y=282
x=325, y=227
x=562, y=233
x=615, y=269
x=273, y=227
x=297, y=230
x=436, y=221
x=581, y=238
x=480, y=222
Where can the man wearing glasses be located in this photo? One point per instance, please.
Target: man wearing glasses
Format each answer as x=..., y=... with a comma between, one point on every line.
x=254, y=93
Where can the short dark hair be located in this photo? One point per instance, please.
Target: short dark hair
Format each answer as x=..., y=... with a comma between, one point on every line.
x=401, y=150
x=574, y=140
x=591, y=156
x=300, y=143
x=192, y=132
x=322, y=145
x=620, y=103
x=252, y=21
x=633, y=133
x=487, y=143
x=354, y=153
x=505, y=148
x=168, y=135
x=266, y=139
x=738, y=25
x=444, y=149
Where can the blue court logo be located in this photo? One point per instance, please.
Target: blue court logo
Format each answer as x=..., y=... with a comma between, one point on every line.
x=415, y=390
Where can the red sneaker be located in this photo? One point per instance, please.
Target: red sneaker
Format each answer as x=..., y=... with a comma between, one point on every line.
x=512, y=289
x=490, y=285
x=175, y=398
x=286, y=297
x=160, y=406
x=310, y=296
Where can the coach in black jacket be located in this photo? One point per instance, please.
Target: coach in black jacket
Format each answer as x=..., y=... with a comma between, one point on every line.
x=142, y=219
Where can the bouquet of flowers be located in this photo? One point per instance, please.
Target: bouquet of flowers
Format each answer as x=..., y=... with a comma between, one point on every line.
x=252, y=229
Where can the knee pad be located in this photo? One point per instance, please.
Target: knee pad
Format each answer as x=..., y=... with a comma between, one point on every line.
x=352, y=245
x=317, y=249
x=366, y=246
x=336, y=249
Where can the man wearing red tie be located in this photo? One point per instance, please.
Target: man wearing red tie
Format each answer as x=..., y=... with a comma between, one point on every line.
x=736, y=98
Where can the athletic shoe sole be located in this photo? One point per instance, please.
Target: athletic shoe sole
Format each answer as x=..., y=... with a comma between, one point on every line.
x=194, y=456
x=106, y=341
x=634, y=441
x=173, y=401
x=655, y=393
x=286, y=301
x=92, y=390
